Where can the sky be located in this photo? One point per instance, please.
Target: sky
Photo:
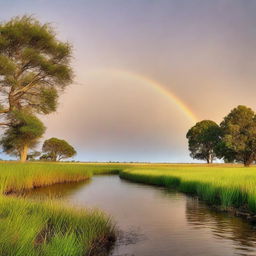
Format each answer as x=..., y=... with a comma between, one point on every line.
x=146, y=71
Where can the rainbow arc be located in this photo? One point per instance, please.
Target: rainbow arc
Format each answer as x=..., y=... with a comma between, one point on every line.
x=150, y=82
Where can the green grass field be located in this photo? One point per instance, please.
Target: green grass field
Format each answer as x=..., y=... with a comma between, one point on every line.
x=51, y=228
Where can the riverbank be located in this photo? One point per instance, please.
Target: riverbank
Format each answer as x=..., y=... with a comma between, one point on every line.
x=16, y=177
x=226, y=187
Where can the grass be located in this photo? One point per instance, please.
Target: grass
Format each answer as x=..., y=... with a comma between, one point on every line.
x=48, y=228
x=15, y=177
x=224, y=185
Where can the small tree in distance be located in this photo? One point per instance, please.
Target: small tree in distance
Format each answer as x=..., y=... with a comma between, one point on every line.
x=56, y=149
x=203, y=139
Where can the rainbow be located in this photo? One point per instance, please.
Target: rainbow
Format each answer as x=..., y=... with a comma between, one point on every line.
x=150, y=82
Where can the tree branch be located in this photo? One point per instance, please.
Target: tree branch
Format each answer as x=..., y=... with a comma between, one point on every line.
x=29, y=85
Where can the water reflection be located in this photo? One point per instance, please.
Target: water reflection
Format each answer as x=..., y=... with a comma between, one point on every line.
x=222, y=225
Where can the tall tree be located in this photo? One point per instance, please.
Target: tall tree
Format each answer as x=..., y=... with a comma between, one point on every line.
x=34, y=67
x=202, y=140
x=22, y=134
x=239, y=135
x=56, y=149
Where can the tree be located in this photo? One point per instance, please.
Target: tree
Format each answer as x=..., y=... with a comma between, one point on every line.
x=202, y=140
x=239, y=135
x=34, y=67
x=22, y=134
x=56, y=149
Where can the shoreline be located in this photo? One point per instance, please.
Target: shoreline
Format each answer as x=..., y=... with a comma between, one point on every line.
x=20, y=191
x=241, y=212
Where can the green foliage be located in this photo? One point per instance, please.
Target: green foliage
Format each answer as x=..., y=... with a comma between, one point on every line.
x=48, y=100
x=239, y=135
x=25, y=129
x=203, y=139
x=57, y=149
x=34, y=65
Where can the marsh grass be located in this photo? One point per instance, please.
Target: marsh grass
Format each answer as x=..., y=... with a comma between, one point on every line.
x=224, y=185
x=49, y=228
x=15, y=177
x=46, y=228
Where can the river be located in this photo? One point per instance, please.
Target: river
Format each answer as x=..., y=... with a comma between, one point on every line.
x=154, y=221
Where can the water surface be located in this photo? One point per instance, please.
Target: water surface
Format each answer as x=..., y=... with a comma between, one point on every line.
x=153, y=221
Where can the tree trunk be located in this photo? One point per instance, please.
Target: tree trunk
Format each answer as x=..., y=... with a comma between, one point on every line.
x=55, y=158
x=211, y=158
x=248, y=163
x=24, y=153
x=248, y=160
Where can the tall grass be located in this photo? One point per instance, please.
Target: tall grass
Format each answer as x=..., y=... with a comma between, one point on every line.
x=228, y=186
x=48, y=228
x=15, y=177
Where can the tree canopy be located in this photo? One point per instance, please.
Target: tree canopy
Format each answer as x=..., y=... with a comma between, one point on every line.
x=23, y=133
x=34, y=65
x=57, y=149
x=202, y=140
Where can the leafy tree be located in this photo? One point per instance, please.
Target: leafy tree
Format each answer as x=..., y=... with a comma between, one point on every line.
x=56, y=149
x=23, y=133
x=34, y=67
x=202, y=140
x=239, y=135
